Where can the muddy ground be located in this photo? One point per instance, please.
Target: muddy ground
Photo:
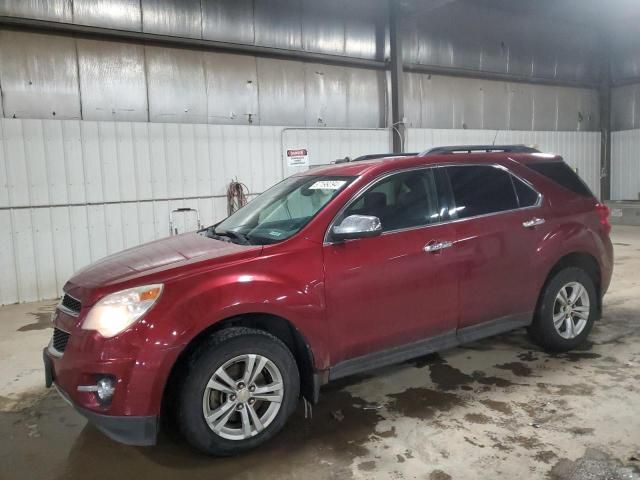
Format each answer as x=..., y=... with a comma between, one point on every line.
x=498, y=408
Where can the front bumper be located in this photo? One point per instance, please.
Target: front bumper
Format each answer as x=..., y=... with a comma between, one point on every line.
x=130, y=430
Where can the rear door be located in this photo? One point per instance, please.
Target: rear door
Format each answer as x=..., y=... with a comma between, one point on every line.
x=496, y=236
x=388, y=291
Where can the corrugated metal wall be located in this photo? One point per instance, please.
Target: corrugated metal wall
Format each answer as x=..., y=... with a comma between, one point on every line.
x=433, y=101
x=464, y=34
x=579, y=149
x=473, y=36
x=625, y=165
x=96, y=178
x=625, y=49
x=46, y=76
x=73, y=191
x=326, y=146
x=625, y=107
x=57, y=77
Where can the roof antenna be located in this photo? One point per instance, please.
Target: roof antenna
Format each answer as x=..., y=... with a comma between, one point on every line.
x=495, y=138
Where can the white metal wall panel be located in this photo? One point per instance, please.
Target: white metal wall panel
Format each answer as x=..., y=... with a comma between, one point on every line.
x=625, y=165
x=74, y=191
x=579, y=149
x=8, y=280
x=326, y=145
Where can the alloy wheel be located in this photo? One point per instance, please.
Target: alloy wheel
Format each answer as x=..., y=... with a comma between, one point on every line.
x=243, y=397
x=571, y=310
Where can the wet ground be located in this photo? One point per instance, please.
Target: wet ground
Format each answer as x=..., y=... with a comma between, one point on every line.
x=498, y=408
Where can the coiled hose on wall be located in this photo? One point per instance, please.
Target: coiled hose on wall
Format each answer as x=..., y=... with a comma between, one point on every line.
x=236, y=196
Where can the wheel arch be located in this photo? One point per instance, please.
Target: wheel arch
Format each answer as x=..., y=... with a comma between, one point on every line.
x=583, y=260
x=277, y=326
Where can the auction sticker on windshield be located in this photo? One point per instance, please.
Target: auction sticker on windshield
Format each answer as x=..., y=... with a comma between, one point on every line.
x=327, y=185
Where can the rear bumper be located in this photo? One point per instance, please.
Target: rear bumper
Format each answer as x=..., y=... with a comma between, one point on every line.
x=130, y=430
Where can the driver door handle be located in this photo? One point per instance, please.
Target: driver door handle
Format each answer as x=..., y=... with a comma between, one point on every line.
x=534, y=222
x=434, y=247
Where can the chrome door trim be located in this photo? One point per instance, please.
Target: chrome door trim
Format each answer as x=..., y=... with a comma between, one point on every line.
x=356, y=196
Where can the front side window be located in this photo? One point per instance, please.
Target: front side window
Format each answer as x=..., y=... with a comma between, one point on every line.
x=403, y=200
x=480, y=190
x=281, y=211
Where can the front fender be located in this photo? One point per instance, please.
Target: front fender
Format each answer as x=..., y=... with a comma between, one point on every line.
x=288, y=284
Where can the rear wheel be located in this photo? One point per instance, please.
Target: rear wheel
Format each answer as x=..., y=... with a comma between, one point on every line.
x=566, y=312
x=239, y=391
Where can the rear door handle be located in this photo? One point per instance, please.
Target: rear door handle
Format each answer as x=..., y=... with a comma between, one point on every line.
x=534, y=222
x=433, y=247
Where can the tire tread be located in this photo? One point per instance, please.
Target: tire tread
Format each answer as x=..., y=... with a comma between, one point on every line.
x=208, y=442
x=542, y=330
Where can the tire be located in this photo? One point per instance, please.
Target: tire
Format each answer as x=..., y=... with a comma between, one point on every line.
x=562, y=339
x=231, y=350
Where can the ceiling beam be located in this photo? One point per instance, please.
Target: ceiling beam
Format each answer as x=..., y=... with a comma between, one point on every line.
x=110, y=34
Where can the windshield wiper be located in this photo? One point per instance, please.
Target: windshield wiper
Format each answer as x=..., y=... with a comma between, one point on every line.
x=240, y=237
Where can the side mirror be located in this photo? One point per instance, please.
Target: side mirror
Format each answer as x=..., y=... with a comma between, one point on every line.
x=357, y=226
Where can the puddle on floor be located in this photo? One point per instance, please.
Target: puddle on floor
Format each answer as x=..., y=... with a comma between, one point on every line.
x=49, y=440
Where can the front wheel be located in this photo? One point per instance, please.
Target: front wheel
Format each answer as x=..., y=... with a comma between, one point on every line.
x=240, y=389
x=566, y=312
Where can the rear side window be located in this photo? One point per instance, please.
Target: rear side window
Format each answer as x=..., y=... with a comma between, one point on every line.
x=481, y=189
x=527, y=196
x=562, y=174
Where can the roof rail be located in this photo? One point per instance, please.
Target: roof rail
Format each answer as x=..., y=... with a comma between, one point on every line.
x=480, y=148
x=375, y=156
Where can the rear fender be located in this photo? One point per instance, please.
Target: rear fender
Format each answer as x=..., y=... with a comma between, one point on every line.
x=565, y=239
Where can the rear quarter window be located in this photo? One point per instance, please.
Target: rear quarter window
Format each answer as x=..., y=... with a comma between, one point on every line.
x=563, y=175
x=481, y=190
x=527, y=197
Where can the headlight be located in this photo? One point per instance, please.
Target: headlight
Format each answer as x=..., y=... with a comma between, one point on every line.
x=115, y=312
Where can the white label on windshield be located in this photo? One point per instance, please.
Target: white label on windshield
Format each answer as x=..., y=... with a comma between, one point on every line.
x=327, y=185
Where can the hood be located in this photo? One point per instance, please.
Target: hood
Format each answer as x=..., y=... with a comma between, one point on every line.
x=153, y=257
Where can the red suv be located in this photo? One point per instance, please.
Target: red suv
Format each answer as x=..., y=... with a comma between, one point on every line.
x=330, y=272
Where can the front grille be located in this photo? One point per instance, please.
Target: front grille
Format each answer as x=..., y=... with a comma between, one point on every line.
x=71, y=304
x=60, y=340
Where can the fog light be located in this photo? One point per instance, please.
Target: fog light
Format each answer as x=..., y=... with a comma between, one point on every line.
x=105, y=389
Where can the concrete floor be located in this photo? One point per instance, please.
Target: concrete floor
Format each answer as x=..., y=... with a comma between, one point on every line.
x=498, y=408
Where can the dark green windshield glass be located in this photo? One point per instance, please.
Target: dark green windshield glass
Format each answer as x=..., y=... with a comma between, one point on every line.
x=281, y=211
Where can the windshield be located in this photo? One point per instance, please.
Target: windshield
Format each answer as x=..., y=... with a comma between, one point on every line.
x=281, y=211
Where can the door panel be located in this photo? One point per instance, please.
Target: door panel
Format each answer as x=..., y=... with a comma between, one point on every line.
x=388, y=290
x=493, y=247
x=494, y=253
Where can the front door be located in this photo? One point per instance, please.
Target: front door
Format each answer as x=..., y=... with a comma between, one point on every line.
x=394, y=289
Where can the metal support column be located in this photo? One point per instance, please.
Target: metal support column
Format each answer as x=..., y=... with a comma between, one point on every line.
x=604, y=93
x=397, y=99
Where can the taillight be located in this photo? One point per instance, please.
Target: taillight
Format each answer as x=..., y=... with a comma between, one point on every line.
x=603, y=213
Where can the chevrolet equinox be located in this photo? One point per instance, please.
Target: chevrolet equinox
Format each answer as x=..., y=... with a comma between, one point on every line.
x=331, y=272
